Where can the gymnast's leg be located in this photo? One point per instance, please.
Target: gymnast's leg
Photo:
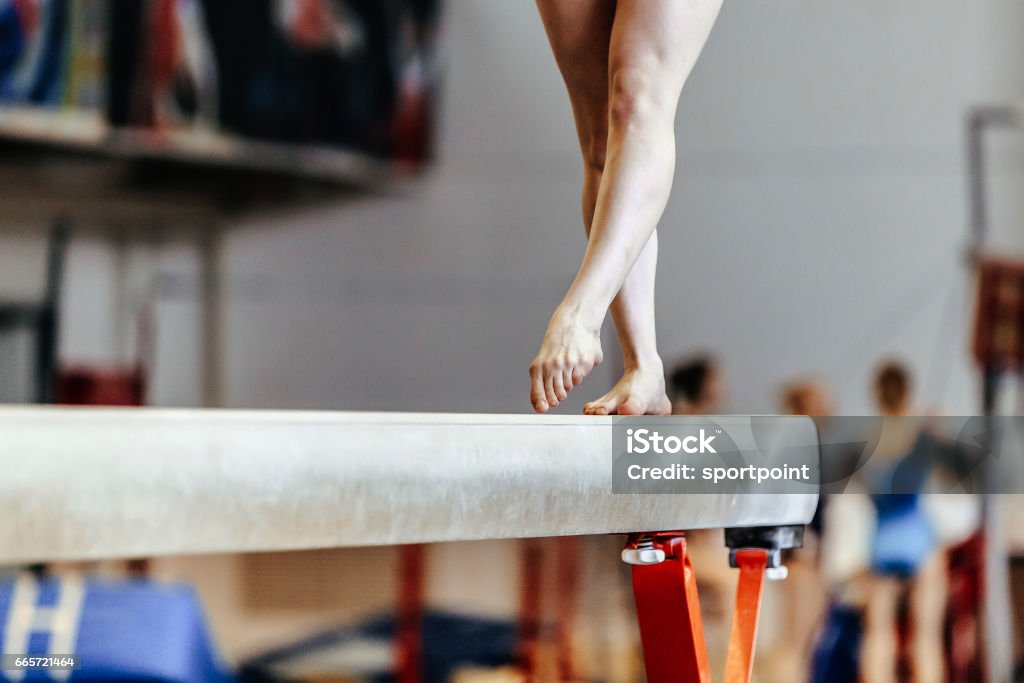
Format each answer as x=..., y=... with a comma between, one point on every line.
x=653, y=45
x=928, y=601
x=878, y=647
x=580, y=36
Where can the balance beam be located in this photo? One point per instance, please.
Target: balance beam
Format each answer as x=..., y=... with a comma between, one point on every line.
x=91, y=483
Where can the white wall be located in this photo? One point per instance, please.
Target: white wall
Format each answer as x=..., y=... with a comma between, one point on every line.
x=22, y=277
x=817, y=220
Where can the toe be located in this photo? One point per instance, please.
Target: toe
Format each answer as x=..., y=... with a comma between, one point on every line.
x=537, y=390
x=603, y=406
x=567, y=380
x=549, y=389
x=558, y=384
x=631, y=406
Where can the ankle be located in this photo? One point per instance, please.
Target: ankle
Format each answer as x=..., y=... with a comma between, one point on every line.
x=647, y=363
x=583, y=315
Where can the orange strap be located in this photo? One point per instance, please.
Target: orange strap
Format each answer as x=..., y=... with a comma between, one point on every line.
x=740, y=662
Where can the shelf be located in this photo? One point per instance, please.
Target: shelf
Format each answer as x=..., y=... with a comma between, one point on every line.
x=86, y=133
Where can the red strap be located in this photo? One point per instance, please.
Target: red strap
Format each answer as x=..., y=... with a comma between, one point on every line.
x=532, y=554
x=568, y=598
x=411, y=560
x=669, y=616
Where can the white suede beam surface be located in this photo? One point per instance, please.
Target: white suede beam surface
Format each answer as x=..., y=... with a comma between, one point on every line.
x=114, y=483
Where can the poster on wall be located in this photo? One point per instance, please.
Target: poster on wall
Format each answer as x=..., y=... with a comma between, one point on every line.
x=52, y=53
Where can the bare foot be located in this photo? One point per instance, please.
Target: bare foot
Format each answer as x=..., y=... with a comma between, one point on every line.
x=641, y=391
x=570, y=350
